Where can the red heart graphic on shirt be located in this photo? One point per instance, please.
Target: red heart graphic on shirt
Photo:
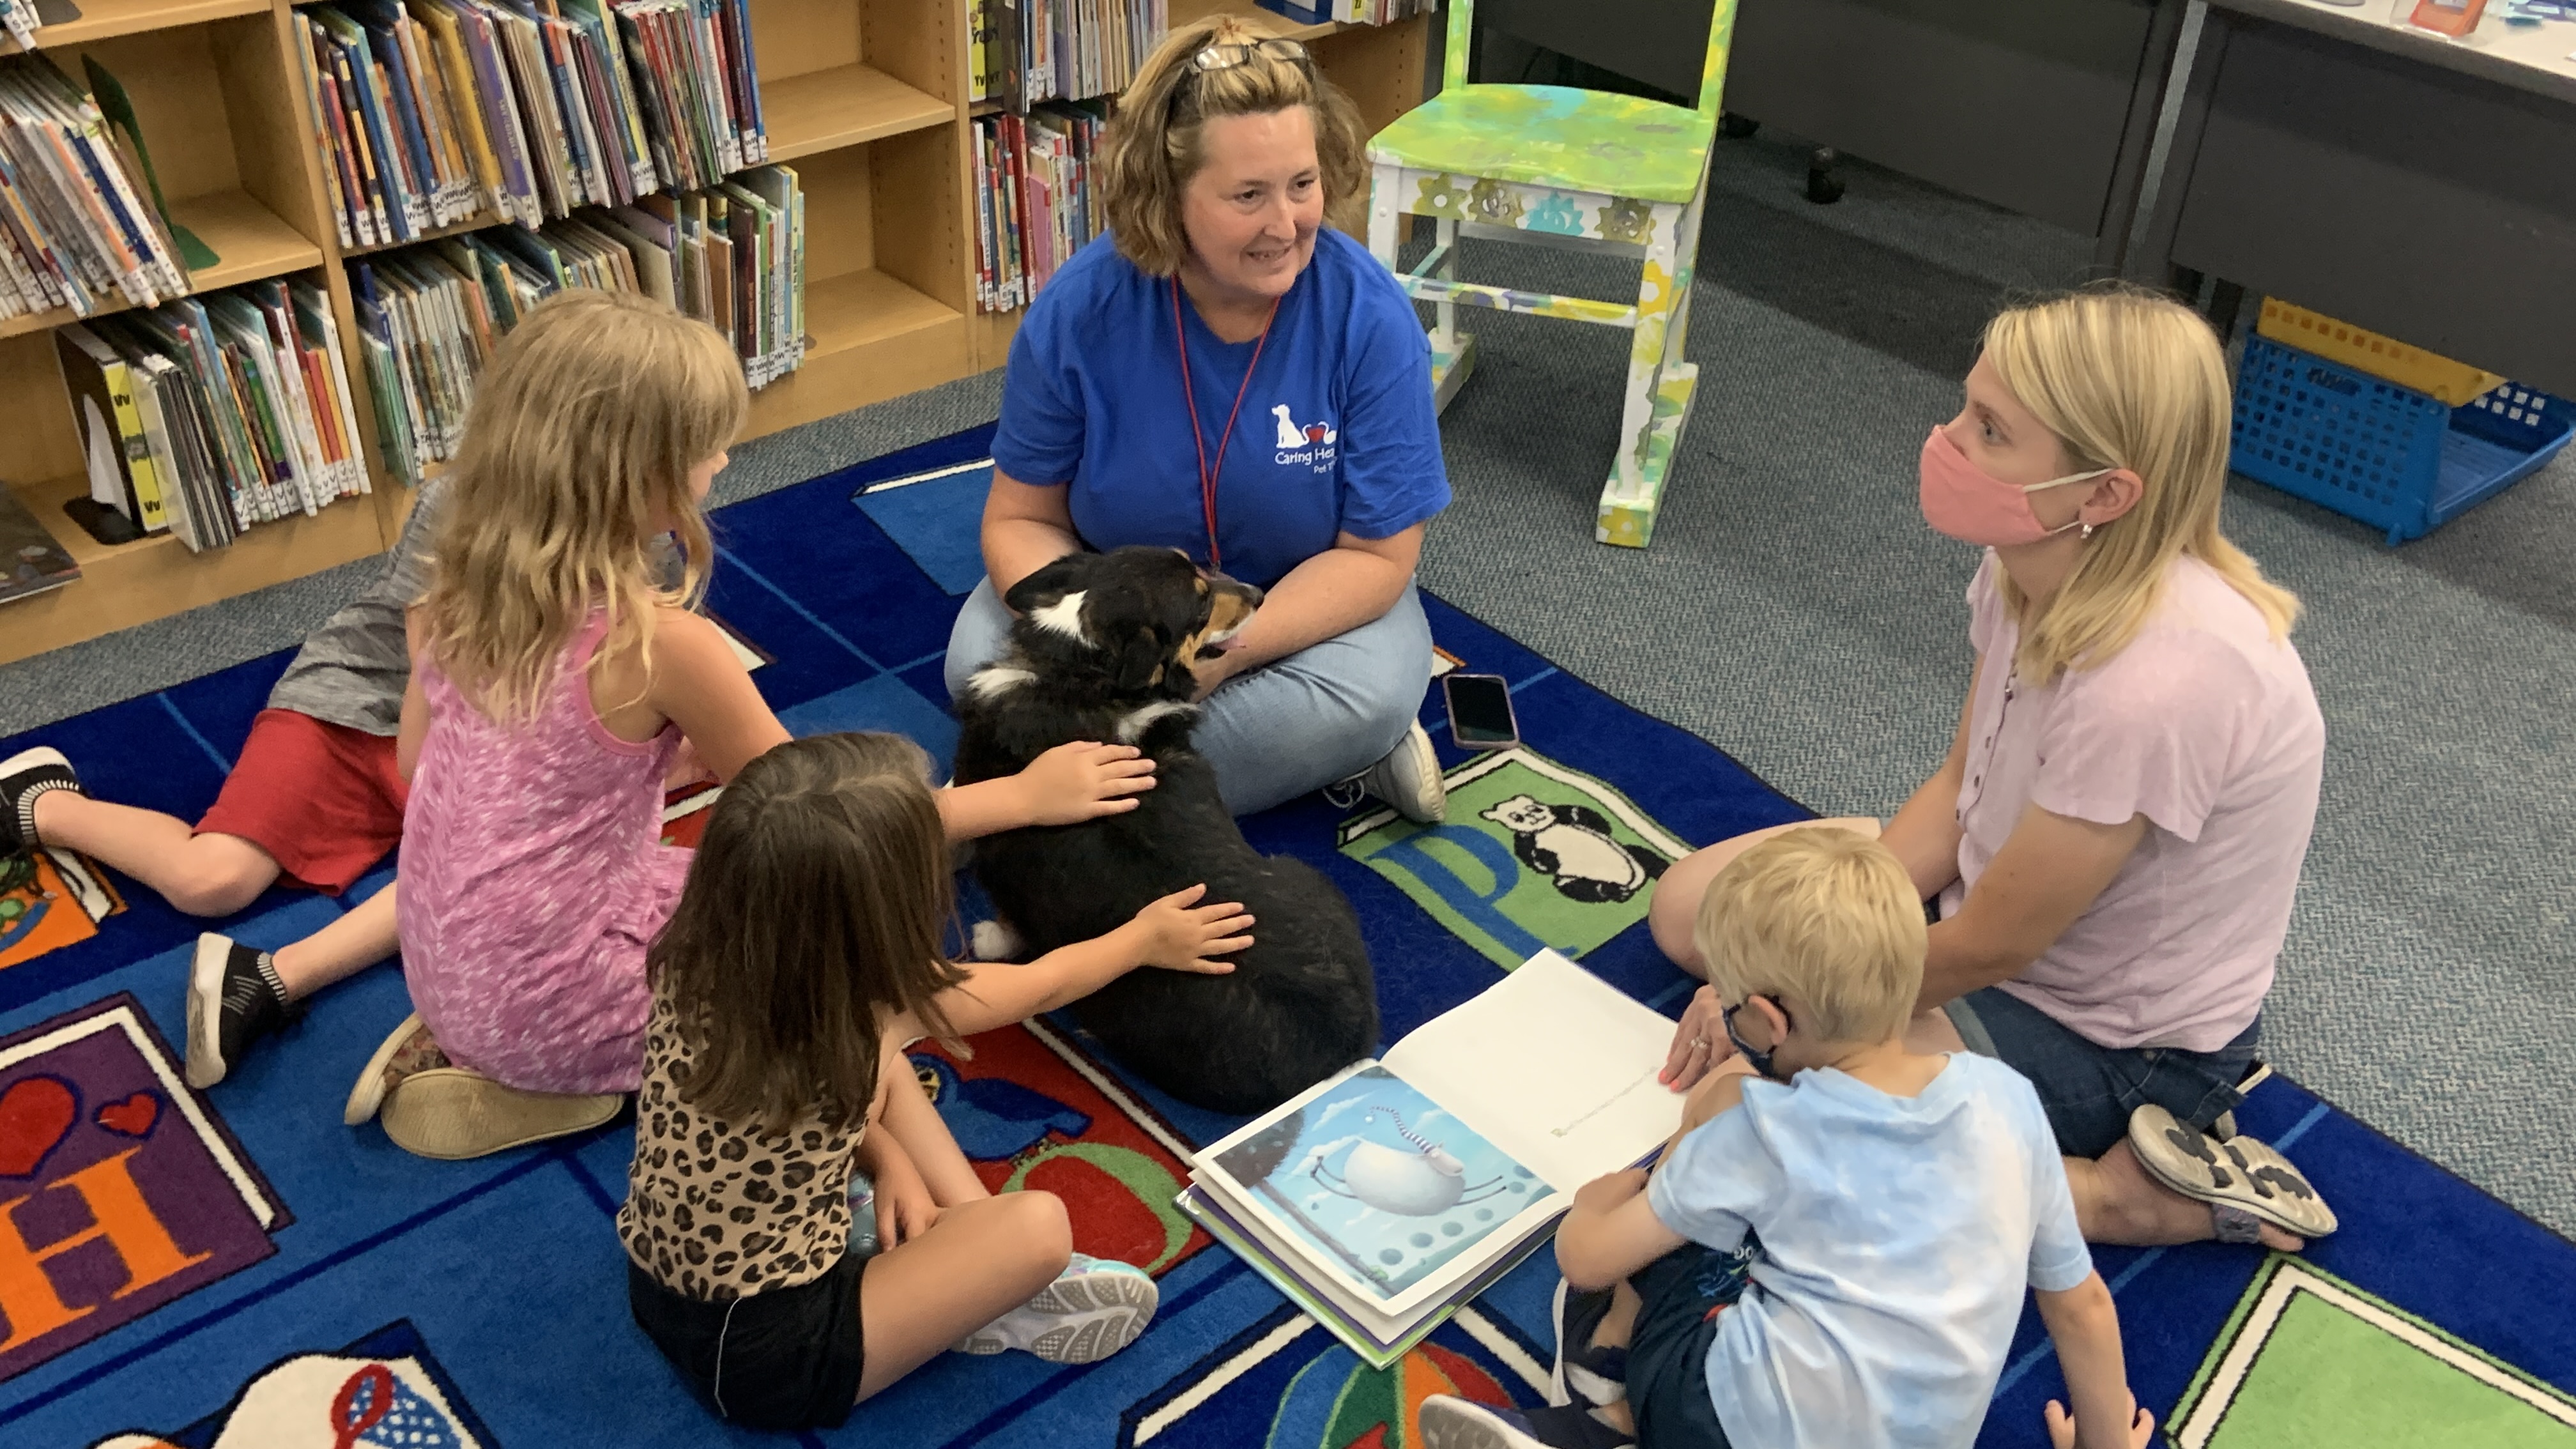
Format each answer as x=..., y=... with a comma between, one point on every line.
x=134, y=1116
x=35, y=1113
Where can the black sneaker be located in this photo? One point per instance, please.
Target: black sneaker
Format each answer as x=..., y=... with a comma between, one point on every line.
x=23, y=777
x=1454, y=1423
x=1584, y=1374
x=234, y=999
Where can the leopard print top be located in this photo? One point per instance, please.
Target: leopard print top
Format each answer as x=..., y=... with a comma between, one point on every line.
x=717, y=1211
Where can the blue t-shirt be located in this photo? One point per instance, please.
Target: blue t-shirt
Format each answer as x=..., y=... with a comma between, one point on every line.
x=1337, y=431
x=1896, y=1233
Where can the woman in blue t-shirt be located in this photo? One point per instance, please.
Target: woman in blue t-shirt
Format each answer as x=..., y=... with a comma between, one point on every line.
x=1225, y=375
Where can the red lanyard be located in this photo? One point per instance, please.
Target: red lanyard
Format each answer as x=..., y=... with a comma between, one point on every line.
x=1207, y=474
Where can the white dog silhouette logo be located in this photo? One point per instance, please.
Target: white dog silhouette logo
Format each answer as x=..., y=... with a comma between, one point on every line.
x=1312, y=435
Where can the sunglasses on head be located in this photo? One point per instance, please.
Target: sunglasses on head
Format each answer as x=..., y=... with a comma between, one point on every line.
x=1229, y=54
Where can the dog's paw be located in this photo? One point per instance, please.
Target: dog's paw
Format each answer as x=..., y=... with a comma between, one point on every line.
x=994, y=941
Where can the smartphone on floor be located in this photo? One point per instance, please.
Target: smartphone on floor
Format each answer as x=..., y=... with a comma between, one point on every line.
x=1480, y=711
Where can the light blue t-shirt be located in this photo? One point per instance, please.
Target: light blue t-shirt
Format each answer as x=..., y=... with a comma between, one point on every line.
x=1335, y=433
x=1897, y=1234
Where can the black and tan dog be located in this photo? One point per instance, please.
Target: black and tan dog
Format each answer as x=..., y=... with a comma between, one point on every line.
x=1102, y=650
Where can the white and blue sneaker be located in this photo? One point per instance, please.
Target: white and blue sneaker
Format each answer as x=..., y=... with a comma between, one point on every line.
x=1454, y=1423
x=1094, y=1308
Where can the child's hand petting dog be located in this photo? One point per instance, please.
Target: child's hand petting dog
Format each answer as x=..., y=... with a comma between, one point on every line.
x=1084, y=781
x=1178, y=934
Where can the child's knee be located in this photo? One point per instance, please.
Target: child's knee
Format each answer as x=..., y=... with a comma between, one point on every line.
x=217, y=874
x=218, y=888
x=1040, y=1230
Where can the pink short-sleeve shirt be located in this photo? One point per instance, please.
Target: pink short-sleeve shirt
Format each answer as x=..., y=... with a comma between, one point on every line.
x=2203, y=724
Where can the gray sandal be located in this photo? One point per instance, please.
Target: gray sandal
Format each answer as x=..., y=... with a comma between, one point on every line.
x=2246, y=1183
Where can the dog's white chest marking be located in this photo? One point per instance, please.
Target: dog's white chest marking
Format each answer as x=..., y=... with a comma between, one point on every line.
x=1132, y=727
x=1590, y=855
x=993, y=679
x=1064, y=616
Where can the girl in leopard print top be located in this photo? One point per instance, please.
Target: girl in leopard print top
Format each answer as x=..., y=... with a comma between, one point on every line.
x=804, y=952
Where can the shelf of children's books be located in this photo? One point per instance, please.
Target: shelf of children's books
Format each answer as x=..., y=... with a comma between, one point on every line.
x=100, y=19
x=1267, y=22
x=249, y=239
x=476, y=222
x=824, y=110
x=152, y=578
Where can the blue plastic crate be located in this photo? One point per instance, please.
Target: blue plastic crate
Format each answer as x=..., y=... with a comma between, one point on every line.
x=2387, y=455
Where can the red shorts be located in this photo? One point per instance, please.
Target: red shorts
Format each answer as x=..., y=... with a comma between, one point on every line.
x=325, y=801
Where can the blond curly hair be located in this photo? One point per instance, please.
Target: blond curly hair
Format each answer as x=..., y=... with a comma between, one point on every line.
x=1152, y=148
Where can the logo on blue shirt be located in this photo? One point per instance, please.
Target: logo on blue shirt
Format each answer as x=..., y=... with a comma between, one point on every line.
x=1310, y=443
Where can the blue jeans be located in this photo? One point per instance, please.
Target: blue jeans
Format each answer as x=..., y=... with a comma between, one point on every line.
x=1322, y=714
x=2090, y=1090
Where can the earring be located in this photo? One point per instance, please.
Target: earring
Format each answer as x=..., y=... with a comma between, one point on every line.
x=2087, y=533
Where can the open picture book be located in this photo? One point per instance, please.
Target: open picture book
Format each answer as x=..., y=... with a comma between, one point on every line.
x=1383, y=1198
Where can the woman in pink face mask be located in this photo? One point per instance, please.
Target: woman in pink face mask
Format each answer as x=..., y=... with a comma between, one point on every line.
x=2112, y=846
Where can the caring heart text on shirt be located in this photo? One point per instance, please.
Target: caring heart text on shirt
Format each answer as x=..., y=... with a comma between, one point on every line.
x=1309, y=443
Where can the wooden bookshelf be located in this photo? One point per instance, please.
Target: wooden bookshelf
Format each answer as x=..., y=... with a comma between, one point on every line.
x=104, y=19
x=866, y=99
x=848, y=105
x=252, y=242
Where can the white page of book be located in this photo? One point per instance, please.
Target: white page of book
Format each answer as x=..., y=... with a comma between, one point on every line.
x=1553, y=1065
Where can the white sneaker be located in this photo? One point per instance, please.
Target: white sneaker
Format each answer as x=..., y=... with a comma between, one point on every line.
x=1409, y=779
x=1094, y=1308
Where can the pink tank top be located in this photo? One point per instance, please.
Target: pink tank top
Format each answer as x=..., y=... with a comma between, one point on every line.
x=532, y=880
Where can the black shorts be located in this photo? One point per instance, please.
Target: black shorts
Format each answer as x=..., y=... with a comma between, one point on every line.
x=1684, y=1292
x=784, y=1358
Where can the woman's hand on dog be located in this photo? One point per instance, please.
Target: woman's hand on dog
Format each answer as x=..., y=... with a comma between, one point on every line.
x=1084, y=781
x=1178, y=934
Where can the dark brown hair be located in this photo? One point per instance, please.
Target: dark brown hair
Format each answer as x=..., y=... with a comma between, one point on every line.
x=1152, y=148
x=814, y=911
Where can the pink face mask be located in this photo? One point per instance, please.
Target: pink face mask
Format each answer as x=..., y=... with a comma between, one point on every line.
x=1973, y=506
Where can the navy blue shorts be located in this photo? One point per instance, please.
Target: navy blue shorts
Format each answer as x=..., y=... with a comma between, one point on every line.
x=1684, y=1291
x=2090, y=1090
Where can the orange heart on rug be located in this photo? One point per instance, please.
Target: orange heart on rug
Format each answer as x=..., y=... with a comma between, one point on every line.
x=134, y=1116
x=34, y=1114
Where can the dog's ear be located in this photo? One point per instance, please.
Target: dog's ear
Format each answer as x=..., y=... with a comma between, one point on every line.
x=1047, y=585
x=1142, y=656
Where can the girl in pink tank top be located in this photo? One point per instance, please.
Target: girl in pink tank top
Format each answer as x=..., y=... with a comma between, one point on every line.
x=557, y=671
x=533, y=880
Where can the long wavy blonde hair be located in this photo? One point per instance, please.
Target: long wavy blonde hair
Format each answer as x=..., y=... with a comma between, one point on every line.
x=577, y=455
x=1152, y=148
x=2127, y=378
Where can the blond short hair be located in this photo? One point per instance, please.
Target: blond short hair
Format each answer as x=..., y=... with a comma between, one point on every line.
x=1152, y=148
x=578, y=446
x=2127, y=378
x=1826, y=918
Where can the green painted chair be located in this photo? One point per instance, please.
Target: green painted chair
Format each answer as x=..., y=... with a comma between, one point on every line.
x=1562, y=167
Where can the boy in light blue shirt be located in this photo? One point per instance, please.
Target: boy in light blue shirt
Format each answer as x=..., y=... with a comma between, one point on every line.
x=1832, y=1250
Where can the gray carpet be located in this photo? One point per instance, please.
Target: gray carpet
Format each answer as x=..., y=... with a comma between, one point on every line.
x=1795, y=611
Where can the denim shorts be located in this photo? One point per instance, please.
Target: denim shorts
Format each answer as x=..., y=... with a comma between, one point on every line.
x=1684, y=1293
x=2090, y=1090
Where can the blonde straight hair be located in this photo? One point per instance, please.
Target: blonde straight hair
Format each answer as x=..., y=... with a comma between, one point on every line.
x=577, y=455
x=1152, y=148
x=1826, y=918
x=2127, y=378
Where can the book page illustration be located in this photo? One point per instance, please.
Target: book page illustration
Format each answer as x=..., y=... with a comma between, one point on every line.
x=1376, y=1180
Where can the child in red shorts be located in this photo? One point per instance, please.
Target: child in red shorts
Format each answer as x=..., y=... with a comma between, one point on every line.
x=314, y=799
